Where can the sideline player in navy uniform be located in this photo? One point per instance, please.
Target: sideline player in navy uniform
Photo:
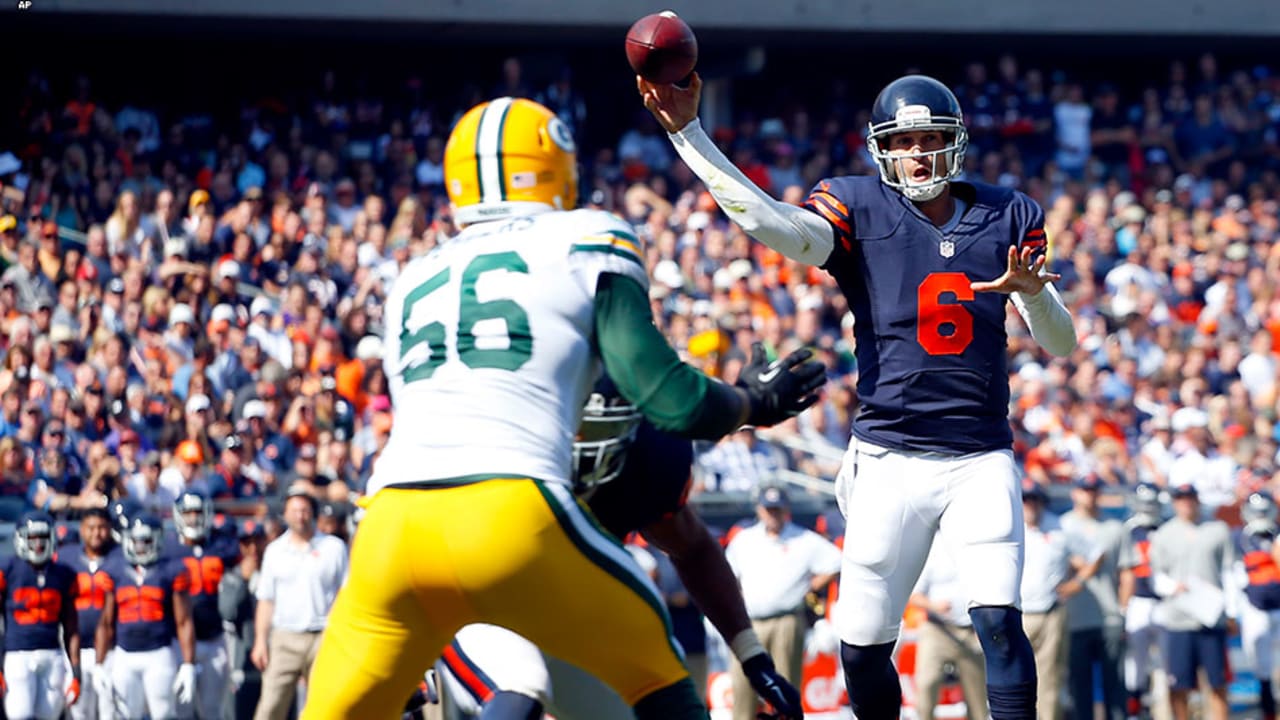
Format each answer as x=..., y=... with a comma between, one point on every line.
x=1257, y=550
x=635, y=478
x=147, y=607
x=1138, y=596
x=206, y=554
x=41, y=631
x=927, y=264
x=87, y=559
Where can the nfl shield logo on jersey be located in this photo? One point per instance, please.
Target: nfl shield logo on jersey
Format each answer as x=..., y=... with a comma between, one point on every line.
x=947, y=248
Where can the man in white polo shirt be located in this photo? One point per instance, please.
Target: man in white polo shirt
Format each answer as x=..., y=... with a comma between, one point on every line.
x=300, y=576
x=777, y=563
x=1049, y=577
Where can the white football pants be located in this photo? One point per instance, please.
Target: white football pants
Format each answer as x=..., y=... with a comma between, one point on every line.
x=91, y=706
x=894, y=503
x=37, y=683
x=143, y=682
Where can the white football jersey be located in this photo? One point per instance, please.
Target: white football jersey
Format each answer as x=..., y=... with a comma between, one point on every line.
x=489, y=347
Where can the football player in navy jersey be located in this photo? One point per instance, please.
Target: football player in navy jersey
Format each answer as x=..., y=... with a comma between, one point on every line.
x=87, y=559
x=927, y=264
x=1258, y=551
x=147, y=607
x=41, y=631
x=634, y=478
x=1138, y=595
x=206, y=554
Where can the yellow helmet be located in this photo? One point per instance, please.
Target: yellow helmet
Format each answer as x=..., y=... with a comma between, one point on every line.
x=509, y=157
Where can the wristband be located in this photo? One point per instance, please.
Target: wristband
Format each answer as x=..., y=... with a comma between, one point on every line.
x=746, y=645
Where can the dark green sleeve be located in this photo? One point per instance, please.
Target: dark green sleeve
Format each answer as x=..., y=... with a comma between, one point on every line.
x=674, y=396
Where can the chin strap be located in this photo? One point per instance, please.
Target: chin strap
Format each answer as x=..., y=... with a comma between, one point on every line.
x=924, y=194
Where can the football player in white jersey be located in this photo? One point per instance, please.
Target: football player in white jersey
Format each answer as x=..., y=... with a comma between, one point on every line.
x=493, y=341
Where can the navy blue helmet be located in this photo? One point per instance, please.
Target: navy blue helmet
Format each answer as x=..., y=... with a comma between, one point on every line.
x=609, y=424
x=918, y=103
x=1145, y=503
x=142, y=539
x=33, y=537
x=1259, y=510
x=193, y=501
x=121, y=511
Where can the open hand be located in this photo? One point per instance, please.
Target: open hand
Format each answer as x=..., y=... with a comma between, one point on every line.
x=1023, y=276
x=673, y=107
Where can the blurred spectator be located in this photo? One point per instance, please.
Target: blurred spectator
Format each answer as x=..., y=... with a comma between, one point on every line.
x=1189, y=558
x=1093, y=615
x=777, y=564
x=1198, y=461
x=740, y=463
x=144, y=486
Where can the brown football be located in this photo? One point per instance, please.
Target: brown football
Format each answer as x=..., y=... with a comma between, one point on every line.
x=661, y=48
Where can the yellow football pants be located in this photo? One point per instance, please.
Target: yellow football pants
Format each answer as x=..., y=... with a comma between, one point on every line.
x=513, y=552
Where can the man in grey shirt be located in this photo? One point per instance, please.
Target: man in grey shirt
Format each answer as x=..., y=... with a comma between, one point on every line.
x=1094, y=620
x=1188, y=561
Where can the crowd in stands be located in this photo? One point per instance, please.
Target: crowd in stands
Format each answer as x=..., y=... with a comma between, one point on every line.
x=188, y=304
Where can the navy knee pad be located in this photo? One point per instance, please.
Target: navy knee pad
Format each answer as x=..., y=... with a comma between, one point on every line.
x=1011, y=663
x=507, y=705
x=872, y=681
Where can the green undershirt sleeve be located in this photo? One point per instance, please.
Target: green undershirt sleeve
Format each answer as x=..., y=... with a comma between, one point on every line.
x=674, y=396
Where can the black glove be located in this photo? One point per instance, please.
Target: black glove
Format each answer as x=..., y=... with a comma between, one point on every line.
x=780, y=389
x=423, y=695
x=773, y=689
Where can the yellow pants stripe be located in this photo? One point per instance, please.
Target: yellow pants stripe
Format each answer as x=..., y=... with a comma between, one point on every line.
x=514, y=553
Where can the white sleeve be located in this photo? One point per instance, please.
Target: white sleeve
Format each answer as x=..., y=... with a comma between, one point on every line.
x=601, y=243
x=793, y=231
x=266, y=589
x=1048, y=319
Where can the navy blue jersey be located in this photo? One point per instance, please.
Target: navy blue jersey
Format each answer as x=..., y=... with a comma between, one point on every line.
x=1143, y=585
x=653, y=484
x=92, y=586
x=144, y=601
x=1260, y=565
x=205, y=564
x=33, y=602
x=932, y=366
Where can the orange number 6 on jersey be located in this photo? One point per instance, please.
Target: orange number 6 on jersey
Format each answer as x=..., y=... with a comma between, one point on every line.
x=933, y=315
